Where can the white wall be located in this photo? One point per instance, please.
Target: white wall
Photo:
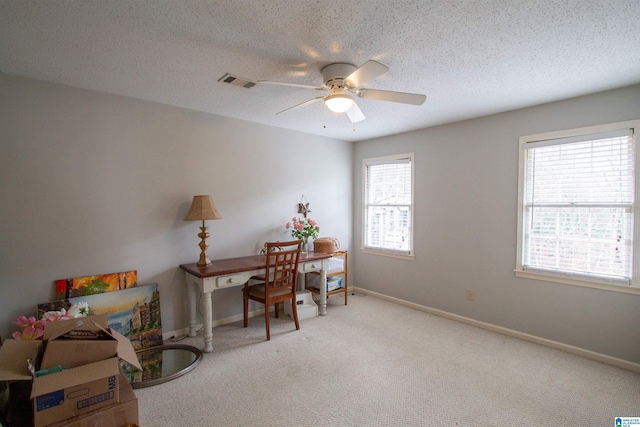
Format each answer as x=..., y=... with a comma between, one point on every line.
x=465, y=229
x=92, y=183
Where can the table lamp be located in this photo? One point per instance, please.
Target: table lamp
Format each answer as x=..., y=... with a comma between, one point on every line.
x=201, y=209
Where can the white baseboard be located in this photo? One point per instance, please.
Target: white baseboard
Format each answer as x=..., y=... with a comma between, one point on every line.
x=588, y=354
x=185, y=331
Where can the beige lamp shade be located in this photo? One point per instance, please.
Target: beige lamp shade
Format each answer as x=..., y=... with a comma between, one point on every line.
x=202, y=208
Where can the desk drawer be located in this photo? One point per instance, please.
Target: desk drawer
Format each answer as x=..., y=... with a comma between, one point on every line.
x=232, y=280
x=311, y=266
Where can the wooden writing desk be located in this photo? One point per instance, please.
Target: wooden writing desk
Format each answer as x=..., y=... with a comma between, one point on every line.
x=225, y=273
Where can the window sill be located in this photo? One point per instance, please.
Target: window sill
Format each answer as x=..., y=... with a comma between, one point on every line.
x=549, y=277
x=390, y=254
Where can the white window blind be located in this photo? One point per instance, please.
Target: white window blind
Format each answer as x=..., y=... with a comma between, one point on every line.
x=388, y=204
x=578, y=206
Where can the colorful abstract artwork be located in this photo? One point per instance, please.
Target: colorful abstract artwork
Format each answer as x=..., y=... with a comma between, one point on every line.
x=91, y=285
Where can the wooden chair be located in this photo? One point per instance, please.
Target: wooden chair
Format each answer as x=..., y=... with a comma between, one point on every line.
x=279, y=282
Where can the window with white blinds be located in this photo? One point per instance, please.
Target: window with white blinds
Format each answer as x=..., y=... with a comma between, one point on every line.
x=388, y=205
x=577, y=197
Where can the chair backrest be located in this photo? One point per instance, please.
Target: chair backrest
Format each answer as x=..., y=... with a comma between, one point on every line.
x=282, y=265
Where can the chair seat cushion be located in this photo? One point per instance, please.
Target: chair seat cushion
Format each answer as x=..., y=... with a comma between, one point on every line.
x=258, y=291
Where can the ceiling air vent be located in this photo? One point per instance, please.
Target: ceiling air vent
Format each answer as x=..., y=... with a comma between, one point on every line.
x=236, y=81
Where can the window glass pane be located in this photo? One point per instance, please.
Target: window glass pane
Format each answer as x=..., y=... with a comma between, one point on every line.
x=580, y=240
x=587, y=172
x=389, y=184
x=389, y=227
x=388, y=204
x=578, y=207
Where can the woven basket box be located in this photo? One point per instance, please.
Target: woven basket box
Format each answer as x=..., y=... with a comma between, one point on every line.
x=326, y=245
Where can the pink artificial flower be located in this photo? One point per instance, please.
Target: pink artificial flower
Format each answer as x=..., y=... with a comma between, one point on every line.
x=312, y=222
x=288, y=225
x=29, y=333
x=33, y=329
x=299, y=226
x=23, y=321
x=53, y=316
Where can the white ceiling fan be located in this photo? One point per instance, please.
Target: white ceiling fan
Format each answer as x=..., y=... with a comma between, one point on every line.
x=344, y=82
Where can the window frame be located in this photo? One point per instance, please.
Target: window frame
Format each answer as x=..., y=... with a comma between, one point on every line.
x=581, y=280
x=365, y=205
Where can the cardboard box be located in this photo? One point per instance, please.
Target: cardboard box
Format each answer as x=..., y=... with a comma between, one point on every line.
x=15, y=358
x=122, y=414
x=75, y=391
x=333, y=282
x=65, y=345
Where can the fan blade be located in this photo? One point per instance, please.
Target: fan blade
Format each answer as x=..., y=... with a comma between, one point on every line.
x=386, y=95
x=267, y=82
x=355, y=114
x=367, y=72
x=302, y=104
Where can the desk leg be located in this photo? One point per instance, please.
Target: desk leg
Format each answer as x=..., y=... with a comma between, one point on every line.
x=208, y=322
x=322, y=310
x=192, y=296
x=302, y=282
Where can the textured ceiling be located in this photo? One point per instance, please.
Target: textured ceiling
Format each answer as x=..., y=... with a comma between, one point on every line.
x=471, y=58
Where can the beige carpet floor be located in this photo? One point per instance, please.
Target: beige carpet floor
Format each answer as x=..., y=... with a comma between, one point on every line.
x=376, y=363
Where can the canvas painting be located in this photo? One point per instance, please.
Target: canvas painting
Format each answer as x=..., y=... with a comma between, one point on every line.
x=56, y=305
x=134, y=312
x=91, y=285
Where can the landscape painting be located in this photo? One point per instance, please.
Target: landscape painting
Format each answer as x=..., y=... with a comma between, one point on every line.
x=134, y=312
x=97, y=284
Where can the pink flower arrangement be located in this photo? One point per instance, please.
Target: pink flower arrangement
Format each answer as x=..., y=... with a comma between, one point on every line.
x=30, y=328
x=33, y=329
x=303, y=228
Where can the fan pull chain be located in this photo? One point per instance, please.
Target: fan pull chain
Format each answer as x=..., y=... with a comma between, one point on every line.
x=324, y=110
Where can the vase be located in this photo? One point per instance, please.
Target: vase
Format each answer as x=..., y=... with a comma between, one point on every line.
x=304, y=245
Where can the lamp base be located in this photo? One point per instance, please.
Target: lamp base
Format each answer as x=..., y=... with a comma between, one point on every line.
x=204, y=259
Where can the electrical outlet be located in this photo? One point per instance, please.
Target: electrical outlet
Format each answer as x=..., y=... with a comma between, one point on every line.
x=300, y=302
x=470, y=294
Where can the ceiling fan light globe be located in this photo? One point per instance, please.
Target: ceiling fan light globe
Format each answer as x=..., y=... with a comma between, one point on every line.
x=338, y=103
